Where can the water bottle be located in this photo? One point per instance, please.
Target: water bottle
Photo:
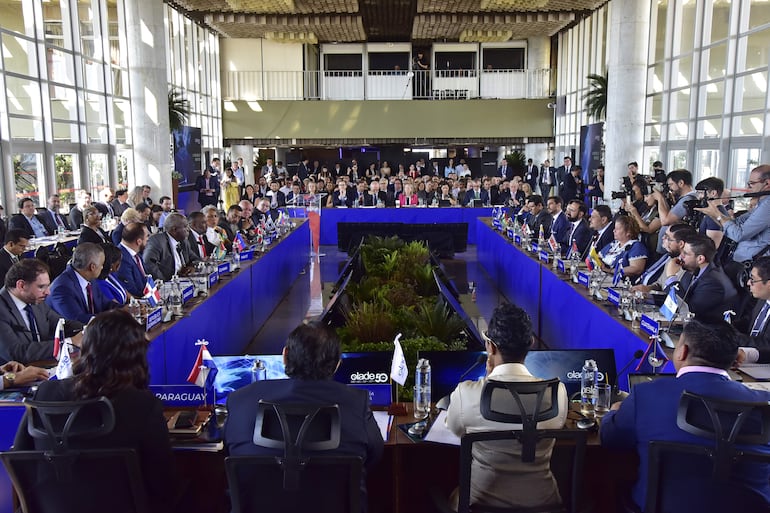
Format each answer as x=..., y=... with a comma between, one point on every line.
x=175, y=298
x=588, y=381
x=258, y=371
x=422, y=389
x=135, y=310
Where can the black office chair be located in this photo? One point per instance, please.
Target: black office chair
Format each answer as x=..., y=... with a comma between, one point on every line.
x=302, y=478
x=525, y=403
x=702, y=478
x=62, y=479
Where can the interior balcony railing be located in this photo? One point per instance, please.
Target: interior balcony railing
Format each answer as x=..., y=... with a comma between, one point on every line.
x=447, y=84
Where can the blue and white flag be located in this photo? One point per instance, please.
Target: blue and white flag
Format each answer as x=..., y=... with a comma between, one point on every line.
x=671, y=304
x=64, y=367
x=618, y=274
x=398, y=369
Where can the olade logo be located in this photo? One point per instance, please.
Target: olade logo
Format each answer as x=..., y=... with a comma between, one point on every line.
x=576, y=374
x=369, y=377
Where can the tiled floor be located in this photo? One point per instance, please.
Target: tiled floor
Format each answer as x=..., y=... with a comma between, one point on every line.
x=311, y=291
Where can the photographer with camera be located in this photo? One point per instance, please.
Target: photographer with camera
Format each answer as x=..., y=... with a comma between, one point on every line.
x=751, y=231
x=634, y=178
x=709, y=189
x=648, y=220
x=679, y=184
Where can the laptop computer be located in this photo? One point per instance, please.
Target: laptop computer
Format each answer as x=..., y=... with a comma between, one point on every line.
x=635, y=379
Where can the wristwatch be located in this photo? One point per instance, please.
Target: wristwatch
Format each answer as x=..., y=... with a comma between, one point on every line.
x=719, y=219
x=9, y=378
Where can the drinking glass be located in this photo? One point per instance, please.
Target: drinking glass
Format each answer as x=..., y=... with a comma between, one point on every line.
x=603, y=399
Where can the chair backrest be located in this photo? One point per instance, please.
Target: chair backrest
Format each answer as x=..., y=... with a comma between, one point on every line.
x=56, y=477
x=525, y=403
x=726, y=424
x=309, y=476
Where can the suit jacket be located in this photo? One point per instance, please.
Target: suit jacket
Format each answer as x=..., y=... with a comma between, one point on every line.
x=88, y=234
x=606, y=237
x=367, y=199
x=508, y=172
x=6, y=261
x=710, y=295
x=105, y=208
x=158, y=258
x=761, y=341
x=200, y=185
x=571, y=189
x=281, y=198
x=469, y=196
x=130, y=275
x=360, y=435
x=560, y=227
x=119, y=207
x=68, y=300
x=139, y=425
x=192, y=241
x=542, y=219
x=76, y=218
x=582, y=238
x=16, y=342
x=346, y=202
x=19, y=222
x=302, y=171
x=46, y=217
x=550, y=172
x=531, y=175
x=649, y=413
x=561, y=174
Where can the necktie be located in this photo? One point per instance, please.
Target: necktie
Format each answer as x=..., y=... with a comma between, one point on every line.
x=202, y=245
x=139, y=264
x=181, y=254
x=59, y=222
x=90, y=296
x=649, y=273
x=32, y=323
x=760, y=321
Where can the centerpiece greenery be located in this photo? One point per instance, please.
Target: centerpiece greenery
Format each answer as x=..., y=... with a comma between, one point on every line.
x=398, y=294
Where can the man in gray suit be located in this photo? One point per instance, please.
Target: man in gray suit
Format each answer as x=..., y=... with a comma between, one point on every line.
x=168, y=253
x=27, y=324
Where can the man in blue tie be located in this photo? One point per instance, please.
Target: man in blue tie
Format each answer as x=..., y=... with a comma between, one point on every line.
x=758, y=349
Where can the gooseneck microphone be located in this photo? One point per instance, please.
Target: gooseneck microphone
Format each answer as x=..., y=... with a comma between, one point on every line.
x=637, y=354
x=482, y=359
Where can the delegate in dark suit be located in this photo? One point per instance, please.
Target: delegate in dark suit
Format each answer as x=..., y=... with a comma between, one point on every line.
x=19, y=222
x=139, y=425
x=97, y=235
x=16, y=341
x=531, y=175
x=280, y=198
x=471, y=195
x=605, y=238
x=560, y=227
x=204, y=196
x=347, y=201
x=6, y=261
x=193, y=241
x=68, y=300
x=118, y=208
x=547, y=173
x=360, y=435
x=130, y=275
x=649, y=413
x=759, y=338
x=541, y=219
x=51, y=226
x=76, y=218
x=572, y=188
x=710, y=295
x=158, y=258
x=581, y=236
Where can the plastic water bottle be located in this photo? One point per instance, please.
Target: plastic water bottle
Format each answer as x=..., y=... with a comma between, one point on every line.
x=422, y=389
x=258, y=371
x=588, y=381
x=175, y=298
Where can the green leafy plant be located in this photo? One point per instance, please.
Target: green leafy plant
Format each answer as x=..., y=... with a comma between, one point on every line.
x=437, y=321
x=596, y=97
x=368, y=322
x=178, y=109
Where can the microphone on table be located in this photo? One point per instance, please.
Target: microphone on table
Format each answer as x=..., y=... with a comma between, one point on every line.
x=637, y=354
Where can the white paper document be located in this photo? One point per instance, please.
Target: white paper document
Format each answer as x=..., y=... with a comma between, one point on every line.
x=440, y=433
x=758, y=371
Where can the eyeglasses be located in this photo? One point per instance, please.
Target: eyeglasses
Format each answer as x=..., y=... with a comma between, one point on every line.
x=752, y=183
x=753, y=281
x=486, y=338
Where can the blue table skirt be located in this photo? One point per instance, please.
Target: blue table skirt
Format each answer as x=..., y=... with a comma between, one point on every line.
x=230, y=317
x=411, y=215
x=562, y=316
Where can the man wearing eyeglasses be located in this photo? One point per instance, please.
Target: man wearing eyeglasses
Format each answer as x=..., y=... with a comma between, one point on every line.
x=751, y=230
x=759, y=327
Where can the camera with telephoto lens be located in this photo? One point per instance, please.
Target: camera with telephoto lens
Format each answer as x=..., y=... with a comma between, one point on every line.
x=693, y=217
x=621, y=195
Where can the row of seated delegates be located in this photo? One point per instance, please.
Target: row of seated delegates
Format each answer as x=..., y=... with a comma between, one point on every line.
x=702, y=356
x=499, y=478
x=27, y=322
x=311, y=356
x=116, y=367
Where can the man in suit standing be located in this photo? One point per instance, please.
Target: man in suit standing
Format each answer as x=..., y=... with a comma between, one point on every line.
x=530, y=175
x=168, y=253
x=547, y=178
x=51, y=218
x=131, y=272
x=74, y=295
x=27, y=324
x=505, y=171
x=572, y=186
x=303, y=168
x=562, y=173
x=269, y=171
x=208, y=189
x=705, y=287
x=702, y=356
x=311, y=357
x=27, y=221
x=15, y=244
x=578, y=231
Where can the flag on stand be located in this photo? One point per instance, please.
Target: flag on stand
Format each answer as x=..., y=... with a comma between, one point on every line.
x=541, y=233
x=553, y=243
x=62, y=348
x=239, y=242
x=204, y=370
x=398, y=369
x=151, y=292
x=593, y=260
x=654, y=359
x=671, y=304
x=617, y=275
x=58, y=338
x=573, y=250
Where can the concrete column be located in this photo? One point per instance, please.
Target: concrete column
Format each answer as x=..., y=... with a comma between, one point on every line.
x=149, y=95
x=538, y=53
x=627, y=71
x=246, y=152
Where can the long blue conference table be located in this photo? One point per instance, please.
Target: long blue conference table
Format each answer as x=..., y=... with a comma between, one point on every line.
x=330, y=217
x=563, y=316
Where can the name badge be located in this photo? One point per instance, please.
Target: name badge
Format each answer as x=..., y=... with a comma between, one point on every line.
x=543, y=254
x=535, y=247
x=223, y=268
x=213, y=278
x=649, y=325
x=182, y=395
x=496, y=223
x=582, y=278
x=187, y=293
x=153, y=318
x=509, y=232
x=560, y=266
x=613, y=296
x=247, y=255
x=517, y=240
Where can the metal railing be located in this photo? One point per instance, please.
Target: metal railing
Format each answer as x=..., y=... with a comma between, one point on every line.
x=386, y=85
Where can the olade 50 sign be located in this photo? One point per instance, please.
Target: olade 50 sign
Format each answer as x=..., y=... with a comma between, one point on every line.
x=369, y=377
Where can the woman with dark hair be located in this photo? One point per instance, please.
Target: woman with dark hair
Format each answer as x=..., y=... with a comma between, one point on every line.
x=108, y=281
x=113, y=364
